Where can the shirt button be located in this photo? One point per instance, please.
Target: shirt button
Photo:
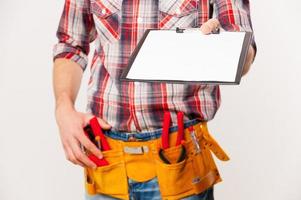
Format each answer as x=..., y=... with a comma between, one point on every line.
x=178, y=11
x=140, y=19
x=103, y=11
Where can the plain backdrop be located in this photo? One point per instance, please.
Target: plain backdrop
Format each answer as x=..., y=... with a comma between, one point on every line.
x=258, y=123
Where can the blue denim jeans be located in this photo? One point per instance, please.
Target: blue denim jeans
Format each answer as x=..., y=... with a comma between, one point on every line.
x=148, y=190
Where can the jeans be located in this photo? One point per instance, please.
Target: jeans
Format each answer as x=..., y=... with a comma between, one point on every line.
x=148, y=190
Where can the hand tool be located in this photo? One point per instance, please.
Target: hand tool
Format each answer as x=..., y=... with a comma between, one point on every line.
x=97, y=130
x=165, y=137
x=94, y=132
x=194, y=140
x=97, y=139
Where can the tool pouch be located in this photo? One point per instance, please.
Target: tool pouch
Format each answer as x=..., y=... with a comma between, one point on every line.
x=197, y=172
x=193, y=175
x=110, y=179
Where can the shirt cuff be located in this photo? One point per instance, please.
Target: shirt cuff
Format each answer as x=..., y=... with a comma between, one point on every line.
x=63, y=50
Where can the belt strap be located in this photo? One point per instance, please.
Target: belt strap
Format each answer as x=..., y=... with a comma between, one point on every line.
x=210, y=142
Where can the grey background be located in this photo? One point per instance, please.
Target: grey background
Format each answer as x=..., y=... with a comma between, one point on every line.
x=258, y=122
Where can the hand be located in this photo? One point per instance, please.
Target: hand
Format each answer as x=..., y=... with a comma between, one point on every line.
x=210, y=26
x=71, y=123
x=249, y=60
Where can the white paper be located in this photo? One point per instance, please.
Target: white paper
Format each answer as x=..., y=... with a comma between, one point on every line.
x=188, y=56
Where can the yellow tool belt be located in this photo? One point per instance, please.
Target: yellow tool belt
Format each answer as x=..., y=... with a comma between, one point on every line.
x=140, y=161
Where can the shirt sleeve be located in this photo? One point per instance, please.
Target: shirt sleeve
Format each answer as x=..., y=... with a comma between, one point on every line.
x=75, y=32
x=234, y=15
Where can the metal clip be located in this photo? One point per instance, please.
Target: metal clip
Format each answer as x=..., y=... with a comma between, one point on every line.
x=179, y=30
x=195, y=142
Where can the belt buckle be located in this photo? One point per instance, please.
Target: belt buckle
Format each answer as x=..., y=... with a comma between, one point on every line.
x=136, y=150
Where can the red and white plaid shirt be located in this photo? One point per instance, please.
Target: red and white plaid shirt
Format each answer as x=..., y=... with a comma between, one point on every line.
x=116, y=26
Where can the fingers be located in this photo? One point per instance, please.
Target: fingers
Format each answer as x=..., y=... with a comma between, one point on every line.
x=89, y=145
x=79, y=154
x=104, y=125
x=210, y=26
x=71, y=157
x=73, y=138
x=75, y=154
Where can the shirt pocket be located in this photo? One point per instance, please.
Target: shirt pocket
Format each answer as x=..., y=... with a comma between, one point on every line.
x=178, y=13
x=107, y=18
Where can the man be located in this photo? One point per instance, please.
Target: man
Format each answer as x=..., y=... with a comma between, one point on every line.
x=116, y=27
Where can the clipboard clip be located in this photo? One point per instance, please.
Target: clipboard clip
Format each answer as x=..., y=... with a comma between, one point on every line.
x=216, y=31
x=181, y=30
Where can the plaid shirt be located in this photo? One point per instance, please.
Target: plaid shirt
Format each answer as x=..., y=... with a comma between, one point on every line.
x=116, y=26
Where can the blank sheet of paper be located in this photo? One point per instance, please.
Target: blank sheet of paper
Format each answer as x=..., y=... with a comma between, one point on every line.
x=189, y=56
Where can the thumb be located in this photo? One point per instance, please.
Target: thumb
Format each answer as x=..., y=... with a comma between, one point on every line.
x=212, y=25
x=104, y=124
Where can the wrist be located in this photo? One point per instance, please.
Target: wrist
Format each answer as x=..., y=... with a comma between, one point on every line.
x=64, y=102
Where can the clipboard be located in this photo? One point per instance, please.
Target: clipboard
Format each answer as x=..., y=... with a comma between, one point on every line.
x=163, y=55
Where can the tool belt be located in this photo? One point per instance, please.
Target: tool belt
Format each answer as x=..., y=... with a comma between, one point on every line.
x=182, y=161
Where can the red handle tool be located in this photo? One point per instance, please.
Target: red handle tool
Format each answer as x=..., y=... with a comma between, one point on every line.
x=165, y=130
x=96, y=128
x=165, y=136
x=97, y=131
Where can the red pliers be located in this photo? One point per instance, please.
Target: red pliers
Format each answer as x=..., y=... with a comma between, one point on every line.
x=93, y=130
x=165, y=136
